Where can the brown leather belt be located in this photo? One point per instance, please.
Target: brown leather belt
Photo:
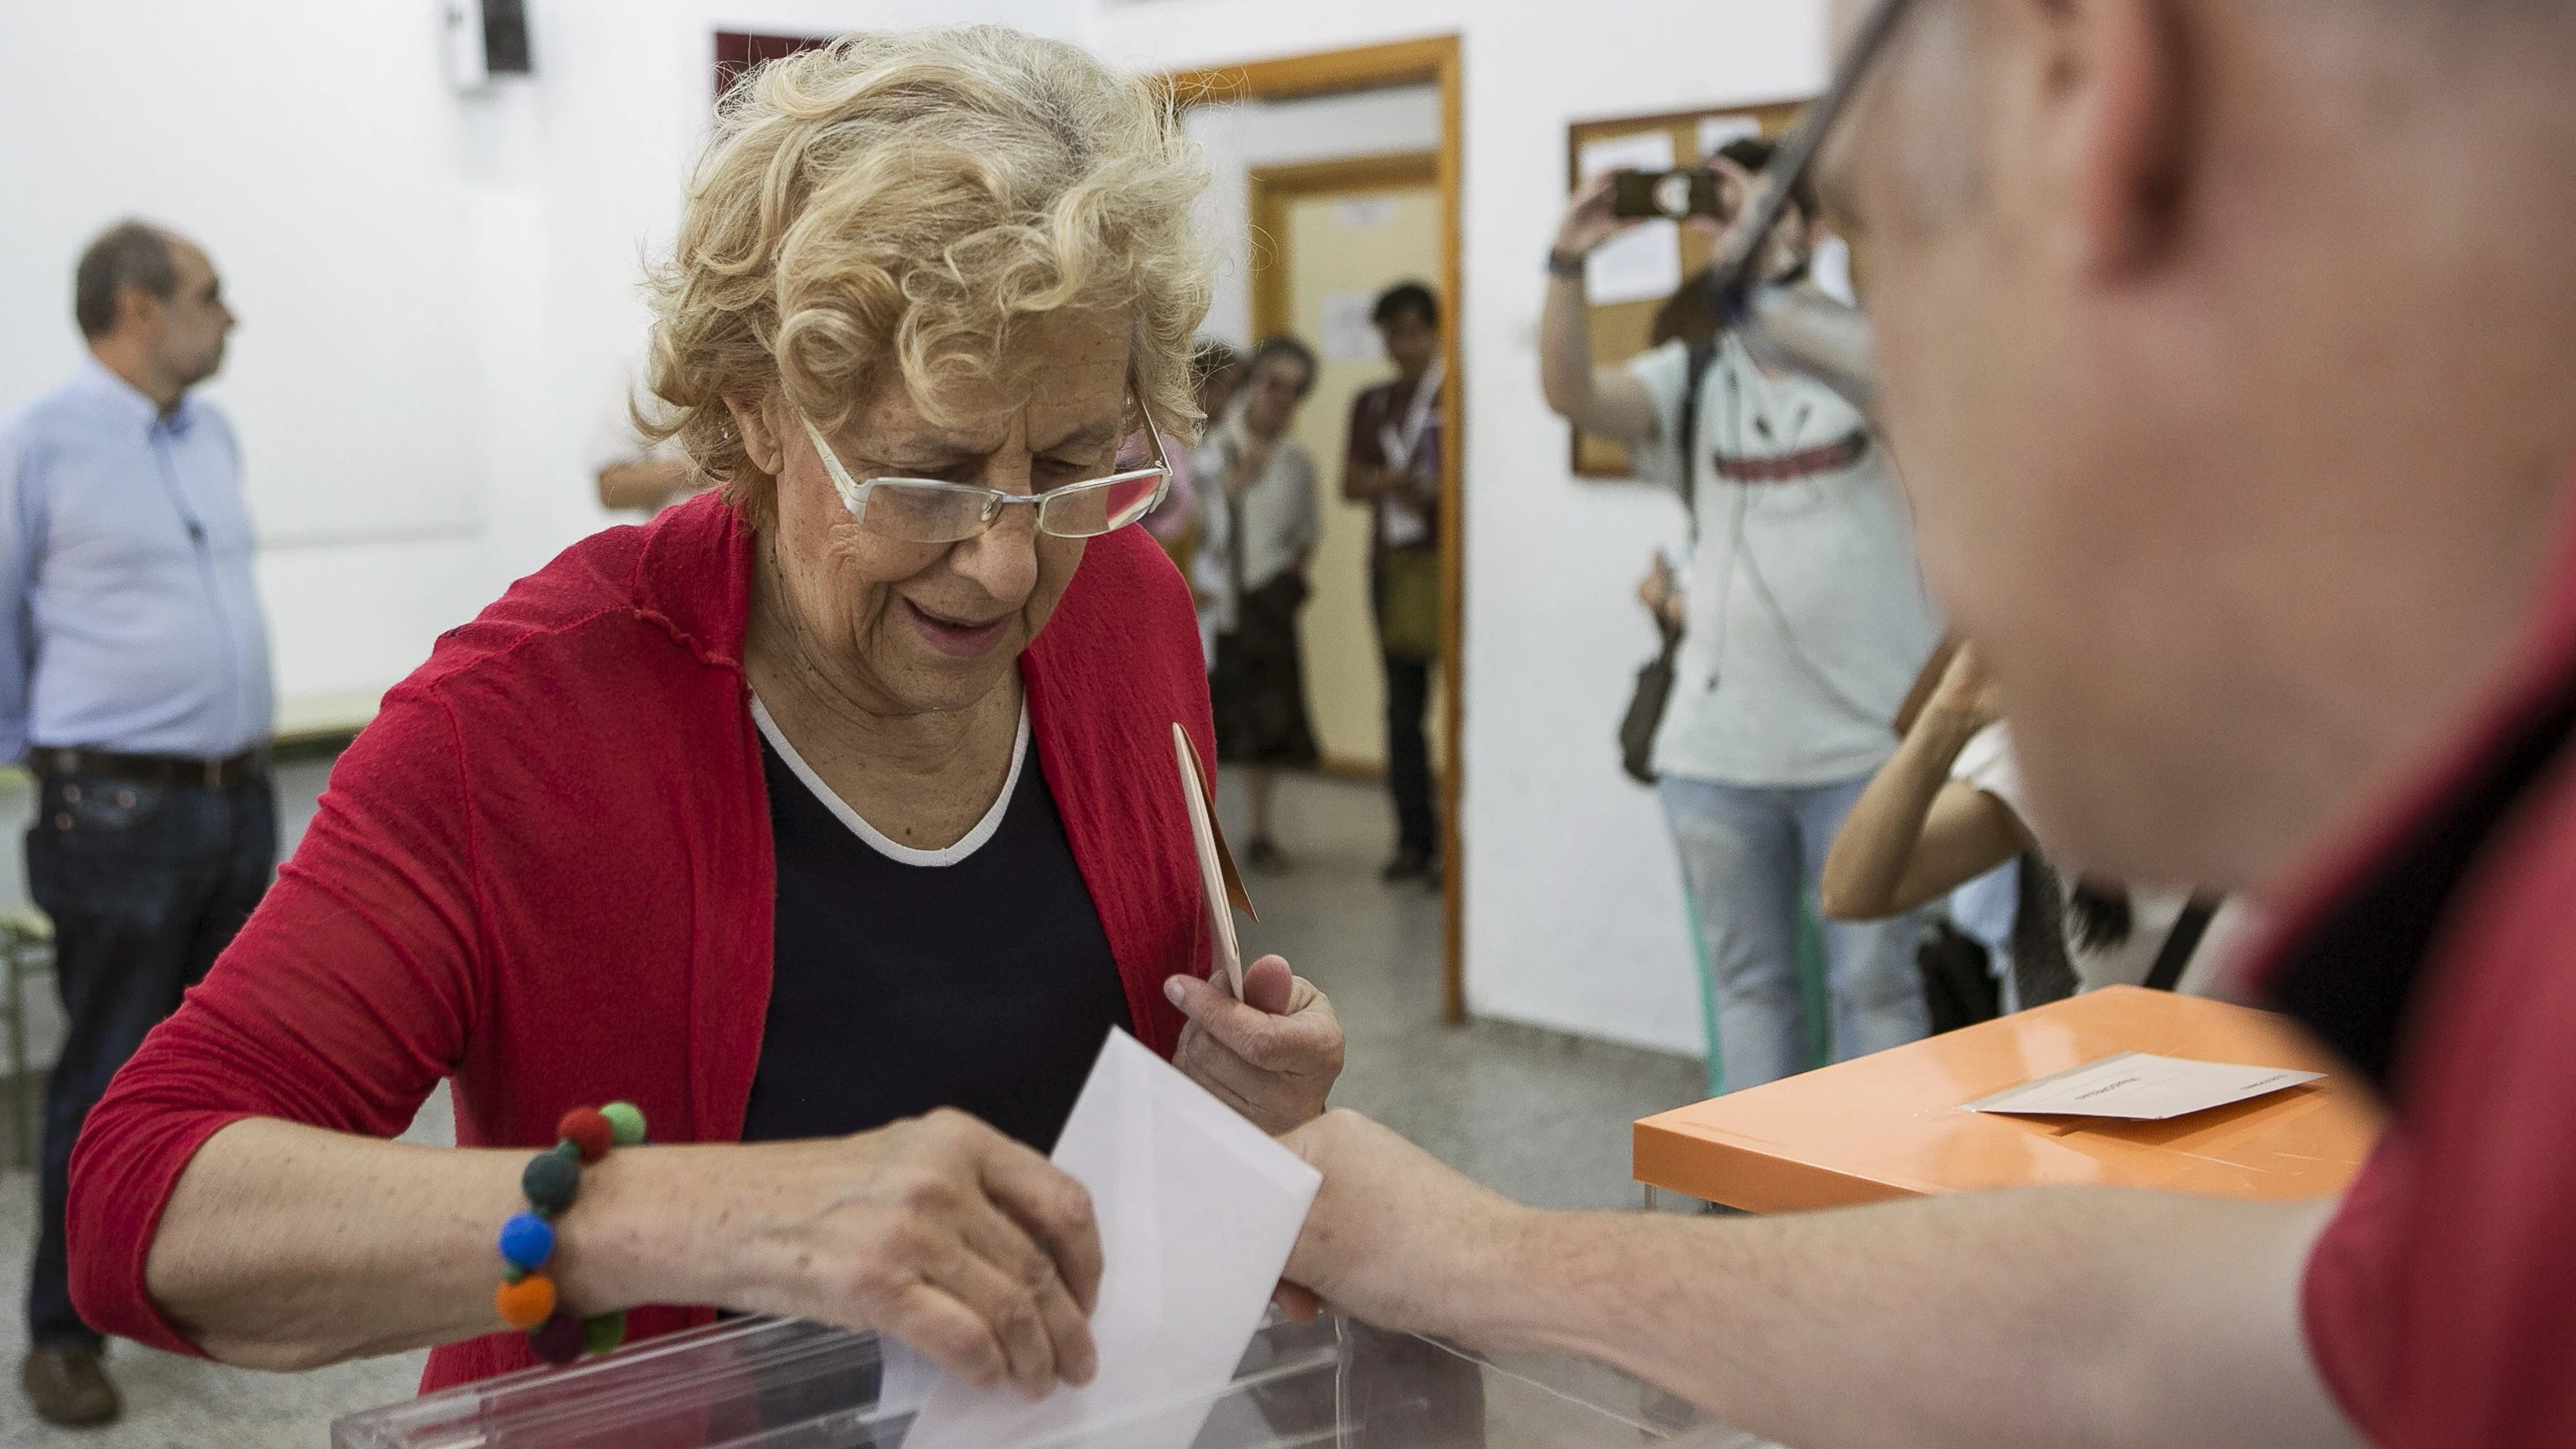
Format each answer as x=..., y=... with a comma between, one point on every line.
x=1789, y=467
x=162, y=770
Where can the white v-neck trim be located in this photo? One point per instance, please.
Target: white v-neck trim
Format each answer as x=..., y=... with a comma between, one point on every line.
x=985, y=829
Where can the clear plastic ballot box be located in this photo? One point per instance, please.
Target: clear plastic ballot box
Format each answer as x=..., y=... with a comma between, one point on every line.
x=771, y=1383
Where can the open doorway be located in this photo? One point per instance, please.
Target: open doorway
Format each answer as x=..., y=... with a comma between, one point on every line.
x=1335, y=237
x=1323, y=199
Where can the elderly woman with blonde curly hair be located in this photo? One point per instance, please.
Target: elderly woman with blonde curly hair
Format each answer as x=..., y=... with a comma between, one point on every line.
x=829, y=821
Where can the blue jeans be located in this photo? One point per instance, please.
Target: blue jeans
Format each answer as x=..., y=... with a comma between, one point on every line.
x=1750, y=855
x=146, y=884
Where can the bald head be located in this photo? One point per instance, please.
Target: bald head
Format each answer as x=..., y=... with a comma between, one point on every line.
x=2225, y=346
x=127, y=256
x=152, y=309
x=2391, y=57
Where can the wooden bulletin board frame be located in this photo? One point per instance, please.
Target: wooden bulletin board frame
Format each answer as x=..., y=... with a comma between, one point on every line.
x=1619, y=329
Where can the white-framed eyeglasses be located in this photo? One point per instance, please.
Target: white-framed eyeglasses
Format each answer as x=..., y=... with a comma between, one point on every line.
x=929, y=510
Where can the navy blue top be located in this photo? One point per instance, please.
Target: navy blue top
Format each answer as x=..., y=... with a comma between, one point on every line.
x=985, y=984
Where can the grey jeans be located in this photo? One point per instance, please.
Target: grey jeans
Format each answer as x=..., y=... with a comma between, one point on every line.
x=1750, y=855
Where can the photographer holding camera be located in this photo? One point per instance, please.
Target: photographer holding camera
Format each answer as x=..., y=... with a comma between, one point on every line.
x=1802, y=622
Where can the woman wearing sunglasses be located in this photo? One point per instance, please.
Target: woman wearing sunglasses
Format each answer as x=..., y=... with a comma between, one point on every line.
x=831, y=821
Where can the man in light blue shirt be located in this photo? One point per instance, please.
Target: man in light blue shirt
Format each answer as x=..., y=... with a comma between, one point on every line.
x=134, y=681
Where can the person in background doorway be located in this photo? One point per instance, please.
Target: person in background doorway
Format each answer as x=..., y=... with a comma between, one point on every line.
x=1951, y=806
x=1262, y=523
x=1393, y=466
x=1175, y=524
x=134, y=681
x=1803, y=623
x=638, y=475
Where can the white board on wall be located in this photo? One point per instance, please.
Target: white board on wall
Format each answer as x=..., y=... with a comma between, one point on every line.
x=316, y=153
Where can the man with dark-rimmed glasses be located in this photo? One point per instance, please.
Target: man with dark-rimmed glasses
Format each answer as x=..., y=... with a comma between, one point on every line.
x=2225, y=349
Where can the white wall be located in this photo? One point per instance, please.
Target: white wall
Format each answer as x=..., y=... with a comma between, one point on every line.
x=1251, y=134
x=434, y=288
x=1574, y=916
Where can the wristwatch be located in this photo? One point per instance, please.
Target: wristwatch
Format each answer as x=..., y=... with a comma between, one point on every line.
x=1567, y=266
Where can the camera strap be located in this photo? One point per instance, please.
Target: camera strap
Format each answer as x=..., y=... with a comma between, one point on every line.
x=1694, y=376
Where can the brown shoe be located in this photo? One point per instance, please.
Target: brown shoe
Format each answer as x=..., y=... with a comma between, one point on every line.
x=67, y=1384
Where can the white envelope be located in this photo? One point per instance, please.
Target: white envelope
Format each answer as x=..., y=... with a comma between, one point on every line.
x=1216, y=872
x=1198, y=1210
x=2138, y=1087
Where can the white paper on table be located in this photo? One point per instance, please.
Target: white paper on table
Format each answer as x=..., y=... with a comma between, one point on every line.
x=2140, y=1088
x=1197, y=1209
x=1643, y=263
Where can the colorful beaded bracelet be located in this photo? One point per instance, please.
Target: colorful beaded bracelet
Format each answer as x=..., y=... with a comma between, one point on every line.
x=526, y=1297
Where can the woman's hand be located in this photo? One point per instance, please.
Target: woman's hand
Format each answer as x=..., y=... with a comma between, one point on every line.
x=1661, y=598
x=1735, y=187
x=289, y=1247
x=1588, y=221
x=1272, y=1056
x=1966, y=693
x=938, y=1231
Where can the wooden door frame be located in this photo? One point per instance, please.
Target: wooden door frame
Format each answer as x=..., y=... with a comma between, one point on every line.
x=1433, y=60
x=1271, y=191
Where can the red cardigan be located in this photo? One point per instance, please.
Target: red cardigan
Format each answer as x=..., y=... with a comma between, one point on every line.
x=544, y=872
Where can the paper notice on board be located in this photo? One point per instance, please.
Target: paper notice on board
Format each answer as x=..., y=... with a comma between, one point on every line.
x=1716, y=133
x=1350, y=328
x=1364, y=213
x=1197, y=1209
x=1644, y=263
x=2137, y=1087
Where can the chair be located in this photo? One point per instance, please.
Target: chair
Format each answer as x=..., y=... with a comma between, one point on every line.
x=26, y=949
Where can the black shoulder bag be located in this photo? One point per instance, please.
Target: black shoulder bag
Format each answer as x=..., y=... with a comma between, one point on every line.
x=1655, y=681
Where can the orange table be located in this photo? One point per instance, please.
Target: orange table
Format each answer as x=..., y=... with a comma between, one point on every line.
x=1891, y=1125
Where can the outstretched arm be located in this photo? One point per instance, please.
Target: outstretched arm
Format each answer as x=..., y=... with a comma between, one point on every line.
x=1605, y=402
x=2078, y=1316
x=286, y=1246
x=1915, y=834
x=647, y=483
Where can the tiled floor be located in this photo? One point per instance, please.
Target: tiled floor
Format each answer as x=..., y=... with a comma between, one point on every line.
x=185, y=1403
x=1541, y=1117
